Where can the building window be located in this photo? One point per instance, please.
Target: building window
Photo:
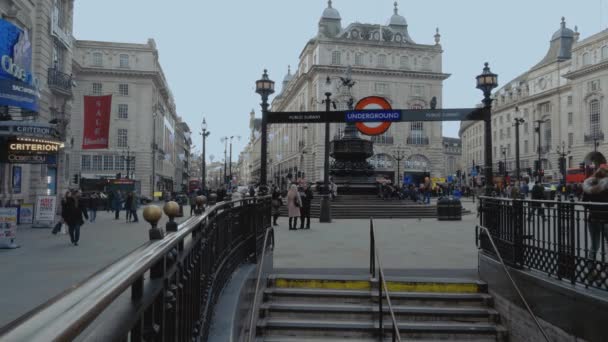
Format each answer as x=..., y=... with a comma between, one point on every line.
x=586, y=59
x=121, y=140
x=508, y=132
x=508, y=117
x=85, y=163
x=593, y=85
x=358, y=58
x=501, y=120
x=97, y=89
x=594, y=117
x=335, y=57
x=494, y=136
x=570, y=100
x=58, y=56
x=131, y=164
x=418, y=91
x=570, y=119
x=381, y=60
x=123, y=89
x=381, y=88
x=123, y=111
x=604, y=52
x=124, y=61
x=108, y=163
x=96, y=163
x=502, y=134
x=526, y=127
x=119, y=163
x=97, y=59
x=570, y=139
x=526, y=147
x=545, y=108
x=547, y=126
x=404, y=62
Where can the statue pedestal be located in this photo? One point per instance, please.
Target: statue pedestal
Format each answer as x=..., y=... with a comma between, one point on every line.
x=350, y=171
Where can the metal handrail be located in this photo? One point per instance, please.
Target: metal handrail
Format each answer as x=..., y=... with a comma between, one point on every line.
x=381, y=284
x=251, y=334
x=521, y=296
x=67, y=315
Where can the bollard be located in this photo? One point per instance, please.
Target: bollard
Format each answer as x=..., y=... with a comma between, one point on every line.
x=152, y=215
x=171, y=209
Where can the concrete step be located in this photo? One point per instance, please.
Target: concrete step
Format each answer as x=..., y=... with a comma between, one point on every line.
x=335, y=339
x=429, y=299
x=369, y=312
x=365, y=329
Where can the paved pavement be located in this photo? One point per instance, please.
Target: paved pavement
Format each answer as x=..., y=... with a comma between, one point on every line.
x=402, y=243
x=47, y=264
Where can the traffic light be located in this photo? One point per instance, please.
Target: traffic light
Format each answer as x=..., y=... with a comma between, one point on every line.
x=76, y=178
x=501, y=167
x=542, y=173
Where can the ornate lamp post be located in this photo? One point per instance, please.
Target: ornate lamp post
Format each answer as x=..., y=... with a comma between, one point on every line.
x=128, y=159
x=539, y=166
x=518, y=121
x=264, y=87
x=562, y=152
x=398, y=156
x=204, y=133
x=486, y=82
x=325, y=216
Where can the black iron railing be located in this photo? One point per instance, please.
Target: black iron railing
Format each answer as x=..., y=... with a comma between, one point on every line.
x=383, y=140
x=59, y=81
x=594, y=137
x=488, y=235
x=268, y=240
x=382, y=287
x=416, y=140
x=564, y=239
x=164, y=290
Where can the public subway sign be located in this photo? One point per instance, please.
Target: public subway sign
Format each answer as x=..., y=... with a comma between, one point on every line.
x=18, y=86
x=378, y=115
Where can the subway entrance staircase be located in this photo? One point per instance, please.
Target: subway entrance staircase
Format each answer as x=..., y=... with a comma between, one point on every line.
x=366, y=206
x=312, y=308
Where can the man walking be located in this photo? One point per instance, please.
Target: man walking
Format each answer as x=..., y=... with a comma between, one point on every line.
x=92, y=205
x=72, y=216
x=538, y=193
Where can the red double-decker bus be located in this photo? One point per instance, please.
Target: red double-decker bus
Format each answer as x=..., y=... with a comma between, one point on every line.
x=575, y=175
x=193, y=185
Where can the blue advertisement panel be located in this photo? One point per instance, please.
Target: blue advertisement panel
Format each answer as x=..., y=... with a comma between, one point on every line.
x=18, y=86
x=16, y=179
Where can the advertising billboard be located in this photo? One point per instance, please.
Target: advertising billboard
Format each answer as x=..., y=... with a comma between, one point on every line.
x=97, y=111
x=18, y=86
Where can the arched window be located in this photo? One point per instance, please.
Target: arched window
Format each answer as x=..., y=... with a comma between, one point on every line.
x=594, y=117
x=336, y=57
x=586, y=58
x=417, y=130
x=97, y=59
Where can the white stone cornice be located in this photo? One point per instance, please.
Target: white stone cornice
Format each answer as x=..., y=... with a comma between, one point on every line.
x=533, y=98
x=586, y=70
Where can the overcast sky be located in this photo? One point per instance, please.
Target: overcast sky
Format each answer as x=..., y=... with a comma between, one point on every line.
x=213, y=51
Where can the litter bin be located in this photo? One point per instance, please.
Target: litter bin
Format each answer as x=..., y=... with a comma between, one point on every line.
x=449, y=209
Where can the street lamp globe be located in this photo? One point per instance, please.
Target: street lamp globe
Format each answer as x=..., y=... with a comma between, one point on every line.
x=327, y=87
x=264, y=86
x=204, y=125
x=487, y=80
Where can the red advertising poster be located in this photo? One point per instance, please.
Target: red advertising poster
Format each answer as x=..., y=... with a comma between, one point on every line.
x=97, y=111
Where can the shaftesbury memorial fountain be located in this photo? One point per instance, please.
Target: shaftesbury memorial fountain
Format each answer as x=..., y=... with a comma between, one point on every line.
x=350, y=170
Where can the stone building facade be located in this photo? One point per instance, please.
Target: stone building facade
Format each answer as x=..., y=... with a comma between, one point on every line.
x=564, y=95
x=386, y=62
x=144, y=123
x=48, y=24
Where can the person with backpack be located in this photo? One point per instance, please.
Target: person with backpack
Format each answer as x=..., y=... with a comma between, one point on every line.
x=276, y=205
x=538, y=193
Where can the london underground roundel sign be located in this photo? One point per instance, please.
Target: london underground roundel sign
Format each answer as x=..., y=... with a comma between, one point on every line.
x=373, y=128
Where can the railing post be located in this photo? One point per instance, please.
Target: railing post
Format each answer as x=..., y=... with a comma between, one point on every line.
x=380, y=313
x=565, y=238
x=518, y=233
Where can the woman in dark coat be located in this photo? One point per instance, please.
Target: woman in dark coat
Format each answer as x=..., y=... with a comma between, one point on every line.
x=276, y=206
x=595, y=189
x=72, y=214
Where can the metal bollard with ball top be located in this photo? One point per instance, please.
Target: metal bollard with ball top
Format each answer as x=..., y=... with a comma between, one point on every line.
x=200, y=205
x=171, y=209
x=152, y=215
